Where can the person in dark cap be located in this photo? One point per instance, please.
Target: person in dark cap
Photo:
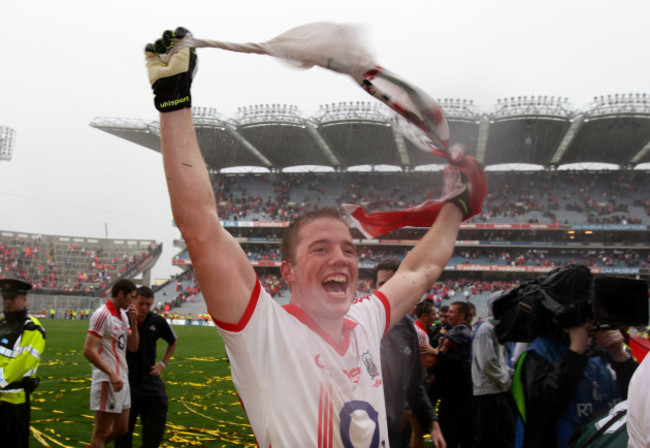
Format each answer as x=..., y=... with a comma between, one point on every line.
x=22, y=342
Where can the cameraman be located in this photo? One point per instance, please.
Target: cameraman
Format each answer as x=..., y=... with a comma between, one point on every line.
x=561, y=381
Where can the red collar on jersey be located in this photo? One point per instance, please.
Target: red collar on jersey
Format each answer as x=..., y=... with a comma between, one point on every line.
x=303, y=317
x=112, y=308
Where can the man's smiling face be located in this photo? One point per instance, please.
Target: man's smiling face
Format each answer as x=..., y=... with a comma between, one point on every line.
x=324, y=275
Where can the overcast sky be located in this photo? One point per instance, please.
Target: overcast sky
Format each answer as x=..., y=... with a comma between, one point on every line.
x=65, y=62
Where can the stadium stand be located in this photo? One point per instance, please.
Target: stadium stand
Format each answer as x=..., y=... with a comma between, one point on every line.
x=531, y=197
x=532, y=222
x=73, y=269
x=553, y=213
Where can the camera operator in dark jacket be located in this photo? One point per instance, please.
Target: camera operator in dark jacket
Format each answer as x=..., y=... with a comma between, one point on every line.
x=561, y=381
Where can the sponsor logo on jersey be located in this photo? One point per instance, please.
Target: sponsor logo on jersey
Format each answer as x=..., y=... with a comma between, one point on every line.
x=121, y=342
x=353, y=374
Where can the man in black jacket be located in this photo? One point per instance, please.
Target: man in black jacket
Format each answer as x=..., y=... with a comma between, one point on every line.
x=148, y=395
x=440, y=328
x=403, y=379
x=451, y=379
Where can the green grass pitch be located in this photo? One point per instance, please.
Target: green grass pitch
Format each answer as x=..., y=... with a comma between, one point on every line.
x=203, y=407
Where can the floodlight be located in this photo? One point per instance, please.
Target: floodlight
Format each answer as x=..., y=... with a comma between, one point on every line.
x=7, y=139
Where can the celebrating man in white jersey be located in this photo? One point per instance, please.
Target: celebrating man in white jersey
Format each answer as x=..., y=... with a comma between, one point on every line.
x=109, y=336
x=309, y=373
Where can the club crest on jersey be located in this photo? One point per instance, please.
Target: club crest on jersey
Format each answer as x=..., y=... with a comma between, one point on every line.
x=371, y=367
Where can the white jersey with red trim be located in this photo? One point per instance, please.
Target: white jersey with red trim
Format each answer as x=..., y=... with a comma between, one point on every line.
x=112, y=326
x=423, y=335
x=301, y=388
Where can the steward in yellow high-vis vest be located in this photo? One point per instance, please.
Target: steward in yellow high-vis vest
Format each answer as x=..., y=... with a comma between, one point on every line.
x=22, y=342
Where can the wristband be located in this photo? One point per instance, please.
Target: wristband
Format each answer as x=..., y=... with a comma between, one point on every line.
x=163, y=363
x=462, y=202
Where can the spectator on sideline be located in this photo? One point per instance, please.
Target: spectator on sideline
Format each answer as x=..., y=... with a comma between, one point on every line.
x=440, y=328
x=471, y=316
x=403, y=379
x=452, y=383
x=148, y=395
x=111, y=332
x=22, y=343
x=494, y=411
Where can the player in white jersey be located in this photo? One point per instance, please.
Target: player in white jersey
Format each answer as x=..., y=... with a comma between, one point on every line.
x=308, y=374
x=109, y=336
x=316, y=391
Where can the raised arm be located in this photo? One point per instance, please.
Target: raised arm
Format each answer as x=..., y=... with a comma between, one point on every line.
x=426, y=261
x=222, y=268
x=423, y=264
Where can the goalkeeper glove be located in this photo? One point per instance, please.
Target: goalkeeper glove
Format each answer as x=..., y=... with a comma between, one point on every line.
x=171, y=82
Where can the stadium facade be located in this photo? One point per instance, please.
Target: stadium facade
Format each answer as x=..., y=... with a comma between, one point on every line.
x=550, y=217
x=543, y=131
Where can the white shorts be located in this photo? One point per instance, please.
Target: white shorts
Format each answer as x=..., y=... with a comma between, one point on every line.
x=104, y=398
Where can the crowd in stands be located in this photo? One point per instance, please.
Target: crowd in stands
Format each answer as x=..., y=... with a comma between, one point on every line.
x=274, y=284
x=264, y=252
x=528, y=257
x=64, y=268
x=549, y=197
x=185, y=288
x=487, y=255
x=615, y=197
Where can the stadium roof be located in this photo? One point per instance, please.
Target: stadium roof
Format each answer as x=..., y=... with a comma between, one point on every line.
x=542, y=131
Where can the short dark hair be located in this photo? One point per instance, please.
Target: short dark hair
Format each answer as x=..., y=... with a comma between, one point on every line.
x=463, y=308
x=124, y=285
x=384, y=265
x=444, y=308
x=290, y=237
x=423, y=308
x=145, y=291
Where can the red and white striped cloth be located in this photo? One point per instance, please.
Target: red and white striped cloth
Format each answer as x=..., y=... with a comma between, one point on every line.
x=338, y=47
